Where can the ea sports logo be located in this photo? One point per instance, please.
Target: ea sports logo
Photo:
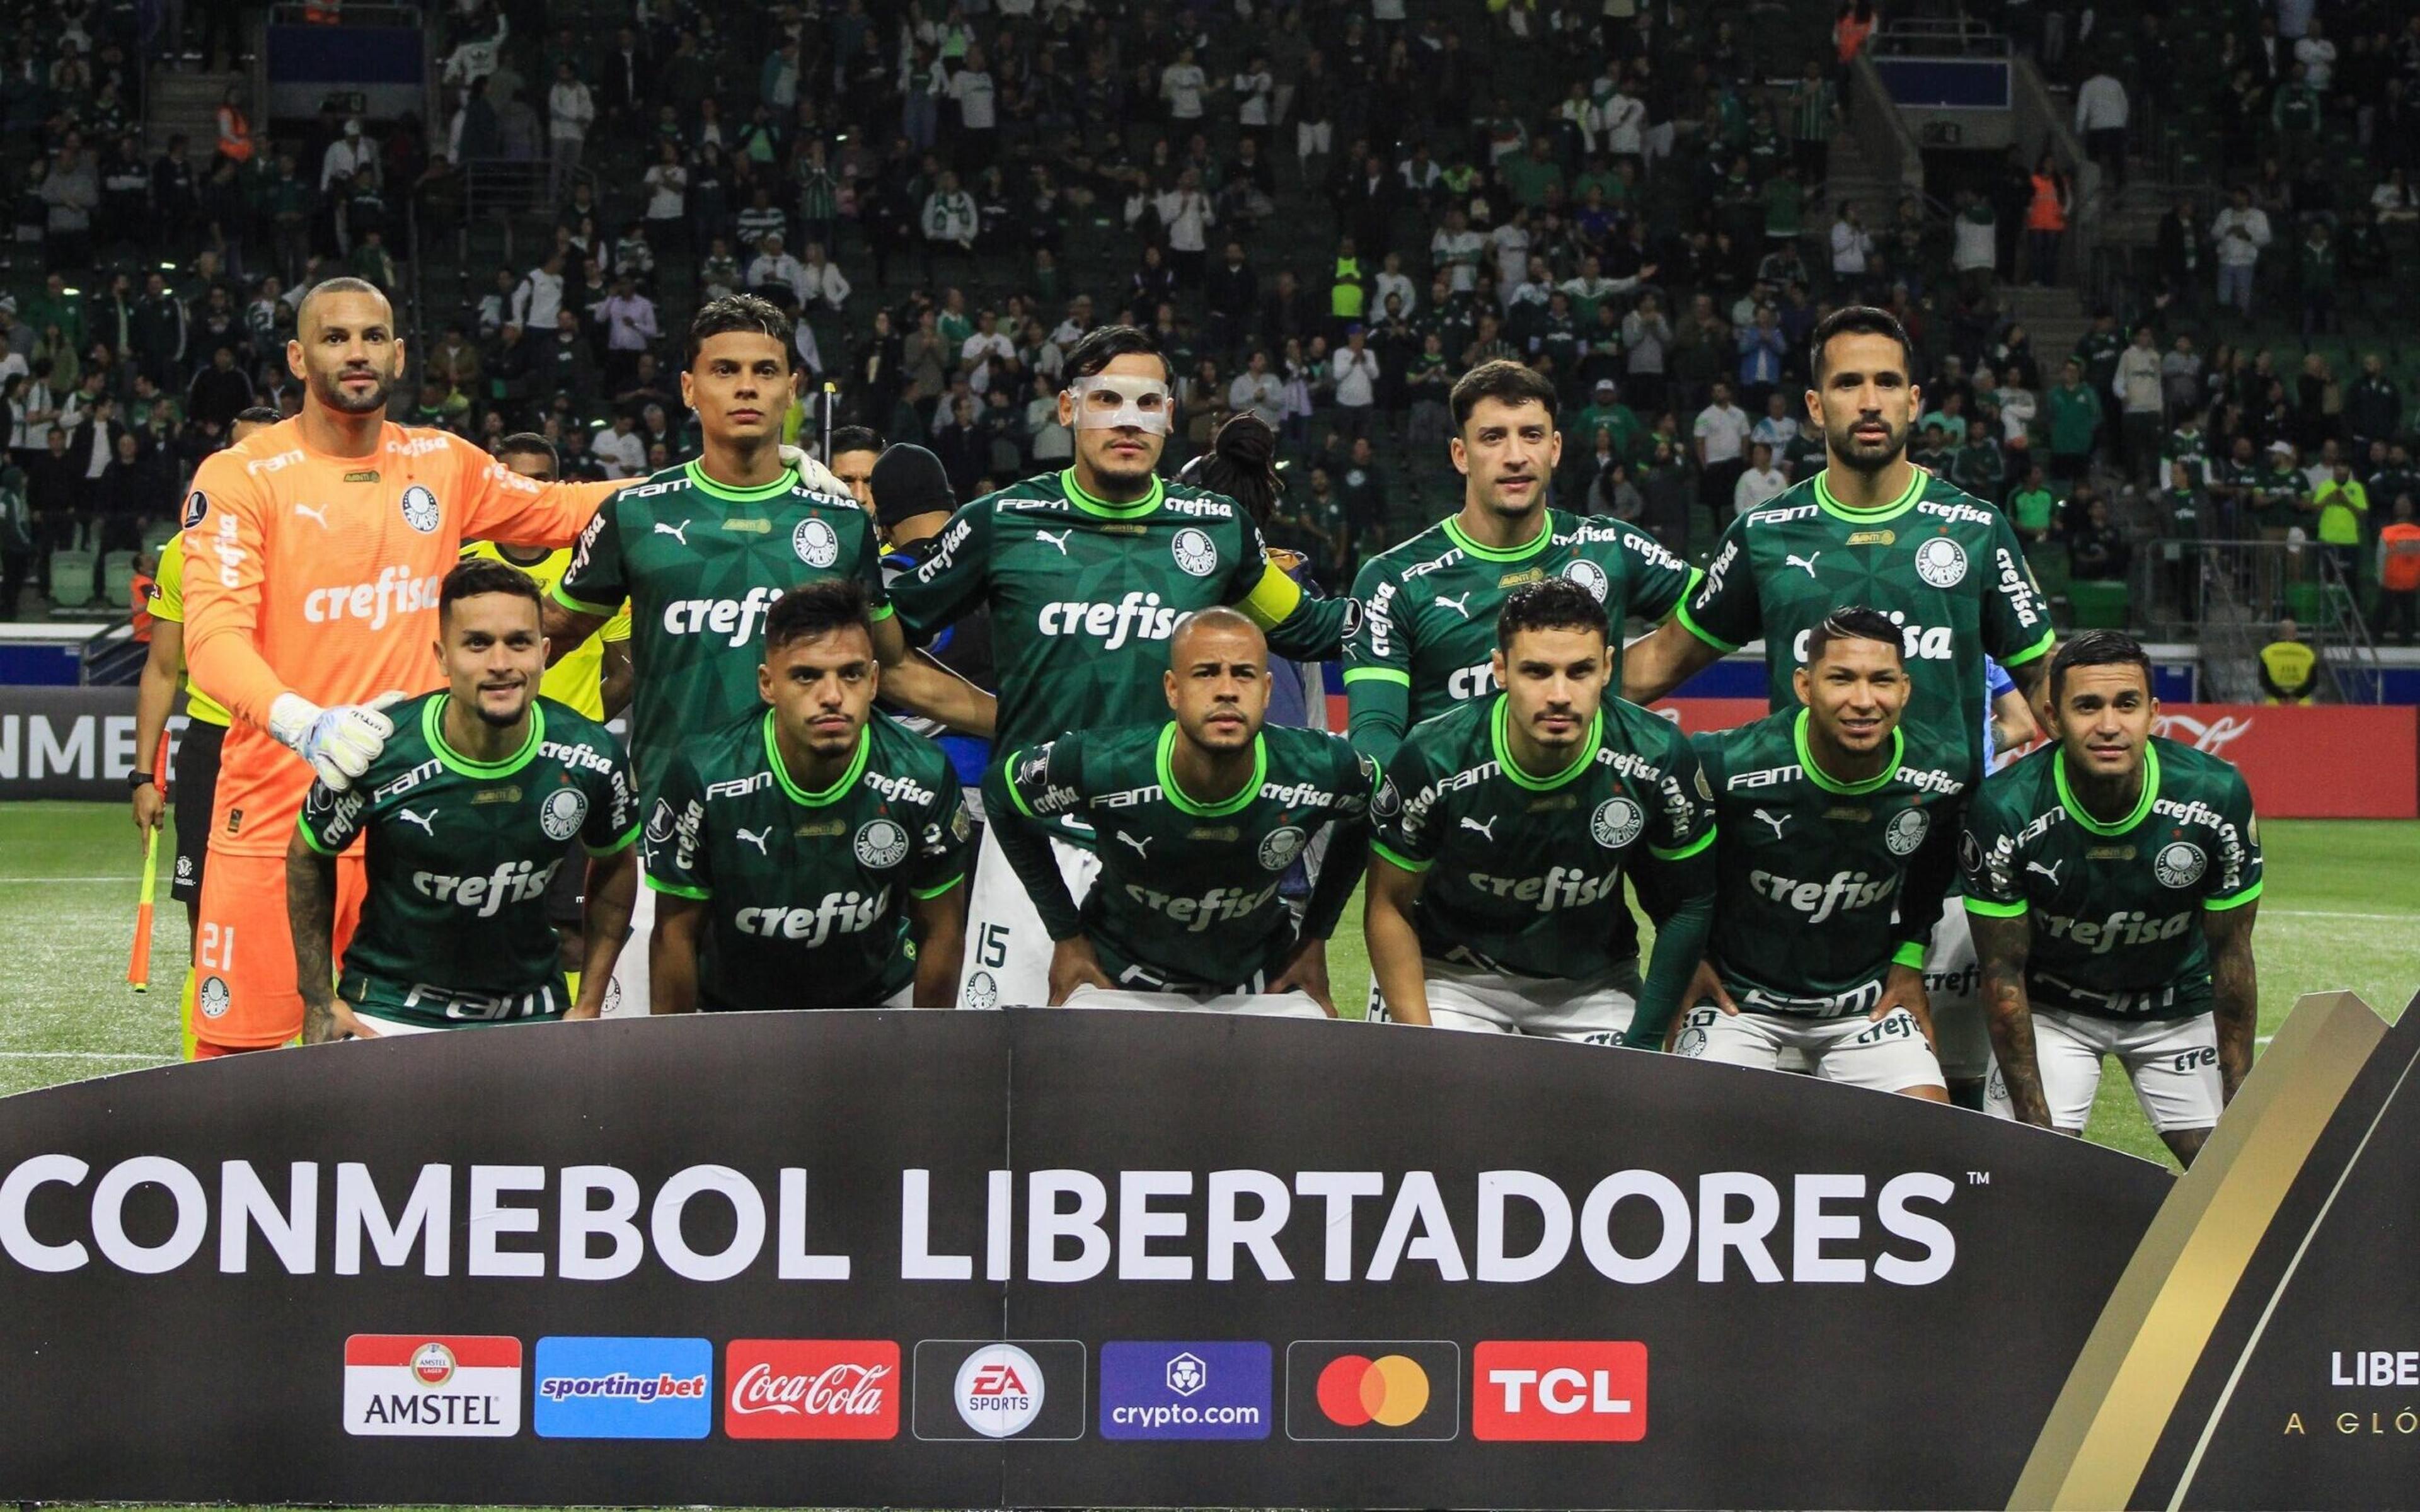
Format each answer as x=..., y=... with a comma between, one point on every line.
x=1196, y=554
x=215, y=999
x=1941, y=562
x=1389, y=1391
x=562, y=812
x=1279, y=847
x=999, y=1391
x=2179, y=865
x=1906, y=831
x=420, y=509
x=1589, y=575
x=432, y=1364
x=817, y=544
x=881, y=843
x=1616, y=823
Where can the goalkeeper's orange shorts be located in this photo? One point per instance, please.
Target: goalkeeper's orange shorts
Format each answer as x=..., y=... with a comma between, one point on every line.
x=244, y=996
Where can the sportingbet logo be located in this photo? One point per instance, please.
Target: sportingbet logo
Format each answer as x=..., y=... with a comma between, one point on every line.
x=1472, y=682
x=812, y=1389
x=432, y=1386
x=1138, y=616
x=1562, y=887
x=836, y=913
x=1819, y=901
x=1918, y=641
x=395, y=591
x=1555, y=1390
x=513, y=882
x=736, y=620
x=2134, y=927
x=1219, y=906
x=624, y=1388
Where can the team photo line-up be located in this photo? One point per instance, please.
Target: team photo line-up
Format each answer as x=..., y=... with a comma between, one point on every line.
x=1064, y=744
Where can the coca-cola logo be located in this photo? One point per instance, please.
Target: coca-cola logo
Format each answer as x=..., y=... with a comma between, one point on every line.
x=812, y=1389
x=2211, y=737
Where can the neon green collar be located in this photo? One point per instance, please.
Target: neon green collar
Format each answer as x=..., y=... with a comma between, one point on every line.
x=733, y=494
x=2142, y=805
x=1905, y=502
x=1815, y=774
x=1208, y=810
x=813, y=800
x=1512, y=768
x=1454, y=533
x=432, y=728
x=1089, y=505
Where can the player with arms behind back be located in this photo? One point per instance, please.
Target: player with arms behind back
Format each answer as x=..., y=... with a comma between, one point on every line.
x=811, y=854
x=1503, y=832
x=1199, y=820
x=1837, y=847
x=2113, y=878
x=464, y=817
x=1427, y=636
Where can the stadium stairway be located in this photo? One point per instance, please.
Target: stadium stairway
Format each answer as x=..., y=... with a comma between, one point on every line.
x=185, y=104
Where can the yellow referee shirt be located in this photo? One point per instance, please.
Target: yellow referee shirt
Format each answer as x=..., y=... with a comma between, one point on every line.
x=575, y=680
x=168, y=603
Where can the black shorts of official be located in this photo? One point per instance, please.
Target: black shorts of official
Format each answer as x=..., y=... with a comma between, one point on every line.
x=196, y=793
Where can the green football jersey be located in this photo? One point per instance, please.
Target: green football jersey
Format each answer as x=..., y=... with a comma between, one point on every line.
x=2117, y=909
x=1428, y=624
x=1524, y=872
x=699, y=563
x=1188, y=894
x=806, y=893
x=1947, y=568
x=458, y=854
x=1823, y=884
x=1085, y=594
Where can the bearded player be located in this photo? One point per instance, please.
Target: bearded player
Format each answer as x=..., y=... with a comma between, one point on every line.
x=1504, y=830
x=1087, y=572
x=1427, y=634
x=1200, y=818
x=463, y=818
x=314, y=552
x=2112, y=880
x=1837, y=849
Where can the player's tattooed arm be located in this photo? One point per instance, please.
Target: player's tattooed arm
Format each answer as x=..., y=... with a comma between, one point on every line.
x=613, y=888
x=566, y=630
x=1393, y=942
x=311, y=918
x=671, y=953
x=2235, y=991
x=940, y=946
x=919, y=685
x=1663, y=659
x=2001, y=945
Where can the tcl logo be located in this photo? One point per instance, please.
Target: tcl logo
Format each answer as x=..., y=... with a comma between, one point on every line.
x=812, y=1389
x=1529, y=1390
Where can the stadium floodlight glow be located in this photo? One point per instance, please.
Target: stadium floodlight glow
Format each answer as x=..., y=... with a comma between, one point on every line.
x=1105, y=403
x=167, y=268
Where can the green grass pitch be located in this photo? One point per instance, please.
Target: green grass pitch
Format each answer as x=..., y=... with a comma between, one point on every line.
x=2338, y=912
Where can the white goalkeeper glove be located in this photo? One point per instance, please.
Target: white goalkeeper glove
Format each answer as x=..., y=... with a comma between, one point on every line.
x=340, y=742
x=812, y=473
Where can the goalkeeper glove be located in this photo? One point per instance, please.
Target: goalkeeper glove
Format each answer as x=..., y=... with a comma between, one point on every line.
x=340, y=742
x=812, y=473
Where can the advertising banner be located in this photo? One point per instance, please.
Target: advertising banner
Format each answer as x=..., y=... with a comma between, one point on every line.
x=70, y=742
x=1033, y=1257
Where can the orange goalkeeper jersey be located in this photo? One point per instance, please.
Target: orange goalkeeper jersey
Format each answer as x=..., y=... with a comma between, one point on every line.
x=318, y=574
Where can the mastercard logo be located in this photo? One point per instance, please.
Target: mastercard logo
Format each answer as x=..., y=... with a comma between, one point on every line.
x=1391, y=1391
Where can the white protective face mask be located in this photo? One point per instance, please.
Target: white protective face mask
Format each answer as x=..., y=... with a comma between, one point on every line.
x=1103, y=403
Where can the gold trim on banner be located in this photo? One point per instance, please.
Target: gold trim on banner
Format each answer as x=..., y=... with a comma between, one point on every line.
x=2125, y=1385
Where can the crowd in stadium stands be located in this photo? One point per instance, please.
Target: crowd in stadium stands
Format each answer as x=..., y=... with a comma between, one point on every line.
x=1325, y=212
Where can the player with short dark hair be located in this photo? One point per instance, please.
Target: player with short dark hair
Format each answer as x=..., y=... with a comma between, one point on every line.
x=1200, y=818
x=1425, y=642
x=1087, y=572
x=464, y=817
x=1838, y=845
x=1504, y=828
x=854, y=449
x=2113, y=878
x=809, y=855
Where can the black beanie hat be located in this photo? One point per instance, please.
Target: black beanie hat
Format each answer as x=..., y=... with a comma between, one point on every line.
x=907, y=481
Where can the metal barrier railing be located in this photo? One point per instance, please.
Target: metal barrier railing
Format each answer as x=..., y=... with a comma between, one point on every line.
x=2230, y=594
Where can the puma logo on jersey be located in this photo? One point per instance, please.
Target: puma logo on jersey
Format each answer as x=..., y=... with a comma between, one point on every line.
x=1141, y=846
x=319, y=514
x=426, y=823
x=1777, y=821
x=678, y=532
x=1806, y=561
x=1059, y=540
x=757, y=839
x=2050, y=872
x=1487, y=829
x=1460, y=604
